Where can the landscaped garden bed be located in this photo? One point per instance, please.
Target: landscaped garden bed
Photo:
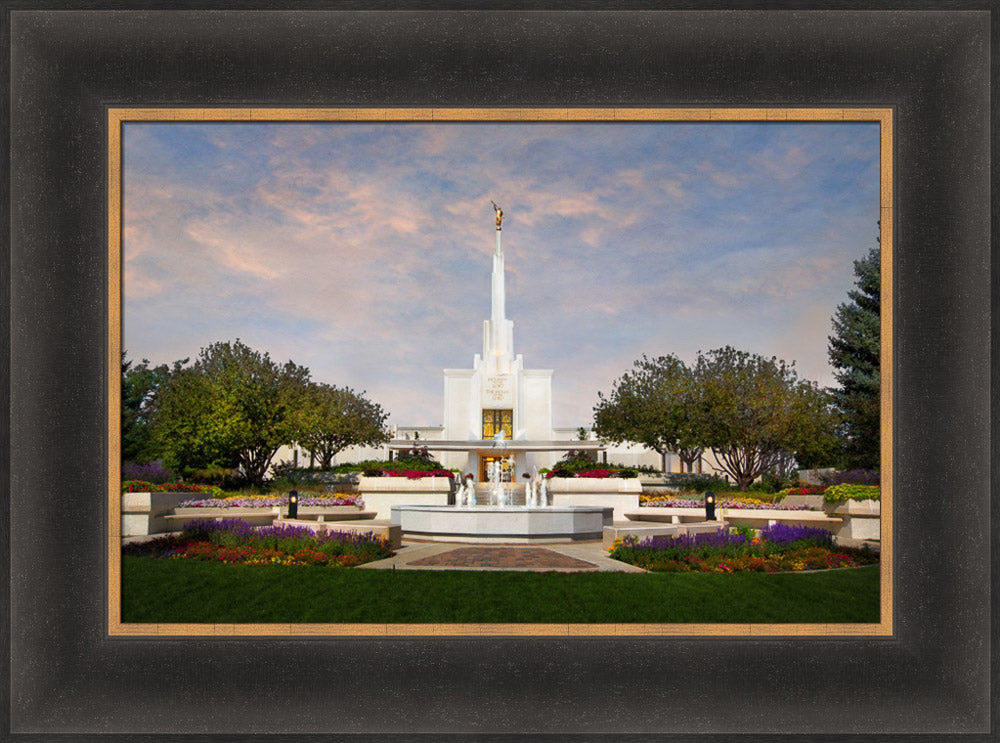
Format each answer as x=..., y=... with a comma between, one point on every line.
x=144, y=486
x=235, y=541
x=776, y=548
x=274, y=501
x=849, y=491
x=598, y=472
x=722, y=500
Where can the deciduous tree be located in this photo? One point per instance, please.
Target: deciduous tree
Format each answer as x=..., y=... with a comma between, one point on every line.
x=654, y=404
x=754, y=412
x=233, y=407
x=334, y=418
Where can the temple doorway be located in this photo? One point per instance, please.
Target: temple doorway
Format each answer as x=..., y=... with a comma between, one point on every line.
x=506, y=464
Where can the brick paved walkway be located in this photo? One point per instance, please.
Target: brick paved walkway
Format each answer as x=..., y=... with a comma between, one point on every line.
x=502, y=557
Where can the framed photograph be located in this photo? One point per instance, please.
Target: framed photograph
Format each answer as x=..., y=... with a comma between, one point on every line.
x=343, y=194
x=107, y=147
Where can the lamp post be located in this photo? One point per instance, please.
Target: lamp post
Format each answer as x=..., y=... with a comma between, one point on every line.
x=710, y=506
x=293, y=504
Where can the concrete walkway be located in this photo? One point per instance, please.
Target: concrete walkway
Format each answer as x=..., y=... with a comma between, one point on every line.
x=563, y=558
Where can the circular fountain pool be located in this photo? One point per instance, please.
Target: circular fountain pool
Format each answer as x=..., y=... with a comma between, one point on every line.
x=510, y=524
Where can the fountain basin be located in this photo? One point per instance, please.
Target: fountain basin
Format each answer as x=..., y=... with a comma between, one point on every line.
x=509, y=524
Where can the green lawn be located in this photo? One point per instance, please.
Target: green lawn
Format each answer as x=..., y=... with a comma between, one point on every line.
x=174, y=591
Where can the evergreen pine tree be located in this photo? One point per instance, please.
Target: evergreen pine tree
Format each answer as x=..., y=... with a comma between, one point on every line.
x=854, y=352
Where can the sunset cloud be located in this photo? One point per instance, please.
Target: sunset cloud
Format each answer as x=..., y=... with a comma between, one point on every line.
x=362, y=250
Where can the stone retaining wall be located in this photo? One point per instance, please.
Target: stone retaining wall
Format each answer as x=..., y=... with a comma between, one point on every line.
x=380, y=494
x=621, y=493
x=145, y=513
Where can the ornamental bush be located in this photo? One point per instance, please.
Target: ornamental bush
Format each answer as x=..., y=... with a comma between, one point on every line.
x=235, y=541
x=774, y=549
x=305, y=499
x=854, y=477
x=154, y=472
x=734, y=501
x=847, y=491
x=601, y=472
x=695, y=483
x=141, y=486
x=417, y=474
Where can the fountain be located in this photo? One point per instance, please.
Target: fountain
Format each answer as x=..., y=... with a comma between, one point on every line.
x=499, y=520
x=508, y=524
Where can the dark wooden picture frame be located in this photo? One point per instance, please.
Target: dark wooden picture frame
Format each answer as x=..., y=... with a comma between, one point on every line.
x=931, y=676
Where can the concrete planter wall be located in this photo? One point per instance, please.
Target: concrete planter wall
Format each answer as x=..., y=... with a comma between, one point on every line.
x=266, y=516
x=863, y=508
x=253, y=516
x=622, y=494
x=862, y=518
x=755, y=518
x=809, y=501
x=144, y=513
x=380, y=494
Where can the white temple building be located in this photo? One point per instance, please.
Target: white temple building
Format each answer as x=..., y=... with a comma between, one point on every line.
x=497, y=409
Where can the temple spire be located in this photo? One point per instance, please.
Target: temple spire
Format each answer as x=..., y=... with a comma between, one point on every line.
x=498, y=337
x=499, y=310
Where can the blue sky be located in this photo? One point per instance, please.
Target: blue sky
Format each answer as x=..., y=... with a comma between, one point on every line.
x=362, y=250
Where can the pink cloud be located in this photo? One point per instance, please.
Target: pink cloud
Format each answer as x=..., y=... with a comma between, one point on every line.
x=235, y=254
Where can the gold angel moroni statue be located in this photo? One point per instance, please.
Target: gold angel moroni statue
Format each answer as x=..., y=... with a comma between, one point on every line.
x=499, y=212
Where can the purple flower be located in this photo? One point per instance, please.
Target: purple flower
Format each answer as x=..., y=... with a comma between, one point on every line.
x=272, y=501
x=146, y=472
x=730, y=504
x=692, y=541
x=785, y=534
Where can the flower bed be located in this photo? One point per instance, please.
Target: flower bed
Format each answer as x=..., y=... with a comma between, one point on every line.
x=146, y=472
x=266, y=501
x=776, y=548
x=801, y=490
x=600, y=472
x=235, y=541
x=409, y=474
x=848, y=491
x=143, y=486
x=732, y=502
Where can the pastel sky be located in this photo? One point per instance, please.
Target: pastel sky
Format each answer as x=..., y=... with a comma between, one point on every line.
x=362, y=250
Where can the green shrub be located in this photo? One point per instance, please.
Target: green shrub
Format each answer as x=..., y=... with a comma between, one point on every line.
x=770, y=482
x=847, y=491
x=574, y=461
x=854, y=477
x=221, y=477
x=646, y=469
x=692, y=482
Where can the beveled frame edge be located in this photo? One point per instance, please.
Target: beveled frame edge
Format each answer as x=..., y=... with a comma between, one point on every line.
x=120, y=115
